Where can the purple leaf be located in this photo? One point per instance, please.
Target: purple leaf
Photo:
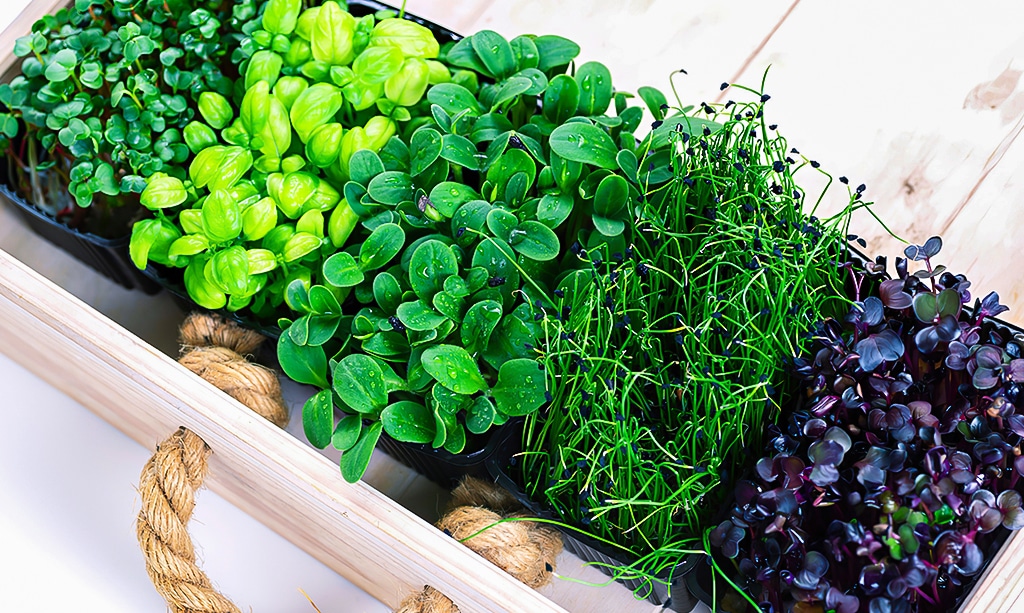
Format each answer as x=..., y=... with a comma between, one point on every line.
x=885, y=346
x=893, y=295
x=932, y=246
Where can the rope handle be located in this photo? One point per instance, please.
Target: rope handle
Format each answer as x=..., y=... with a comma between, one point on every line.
x=215, y=349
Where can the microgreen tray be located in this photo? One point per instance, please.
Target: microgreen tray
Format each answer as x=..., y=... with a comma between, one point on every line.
x=108, y=256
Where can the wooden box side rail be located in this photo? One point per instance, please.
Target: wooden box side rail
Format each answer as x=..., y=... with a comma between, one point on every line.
x=374, y=542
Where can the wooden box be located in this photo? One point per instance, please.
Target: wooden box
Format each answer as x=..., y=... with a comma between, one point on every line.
x=382, y=546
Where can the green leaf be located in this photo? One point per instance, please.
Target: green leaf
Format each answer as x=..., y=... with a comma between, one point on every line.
x=355, y=460
x=455, y=437
x=332, y=34
x=347, y=432
x=478, y=324
x=364, y=166
x=595, y=81
x=555, y=51
x=480, y=415
x=431, y=263
x=527, y=55
x=221, y=216
x=163, y=192
x=611, y=196
x=454, y=368
x=302, y=363
x=454, y=99
x=318, y=419
x=281, y=16
x=424, y=148
x=495, y=52
x=561, y=99
x=359, y=382
x=510, y=89
x=448, y=196
x=387, y=292
x=419, y=316
x=463, y=55
x=520, y=387
x=342, y=270
x=229, y=270
x=501, y=223
x=628, y=164
x=391, y=188
x=535, y=240
x=654, y=100
x=460, y=150
x=383, y=244
x=408, y=422
x=585, y=143
x=553, y=209
x=61, y=65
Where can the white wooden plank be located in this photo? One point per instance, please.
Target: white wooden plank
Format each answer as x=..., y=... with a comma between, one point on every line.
x=920, y=103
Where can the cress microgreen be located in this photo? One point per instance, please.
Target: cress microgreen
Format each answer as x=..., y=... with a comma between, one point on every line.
x=106, y=89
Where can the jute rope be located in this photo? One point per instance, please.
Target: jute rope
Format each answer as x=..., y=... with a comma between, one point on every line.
x=526, y=550
x=214, y=349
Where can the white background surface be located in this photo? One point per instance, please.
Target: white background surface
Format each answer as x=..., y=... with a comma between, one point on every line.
x=68, y=502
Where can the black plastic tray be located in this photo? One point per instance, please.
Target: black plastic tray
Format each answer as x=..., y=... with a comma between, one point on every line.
x=445, y=468
x=583, y=546
x=108, y=256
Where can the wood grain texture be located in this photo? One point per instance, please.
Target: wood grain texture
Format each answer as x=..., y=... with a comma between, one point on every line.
x=923, y=105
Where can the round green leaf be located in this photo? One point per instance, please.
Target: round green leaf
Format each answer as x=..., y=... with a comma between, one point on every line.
x=595, y=81
x=479, y=323
x=611, y=196
x=585, y=143
x=391, y=188
x=454, y=99
x=419, y=316
x=448, y=196
x=480, y=415
x=342, y=270
x=495, y=52
x=555, y=51
x=163, y=192
x=302, y=363
x=383, y=244
x=347, y=432
x=454, y=368
x=460, y=150
x=408, y=422
x=535, y=240
x=359, y=382
x=520, y=387
x=424, y=148
x=431, y=263
x=561, y=99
